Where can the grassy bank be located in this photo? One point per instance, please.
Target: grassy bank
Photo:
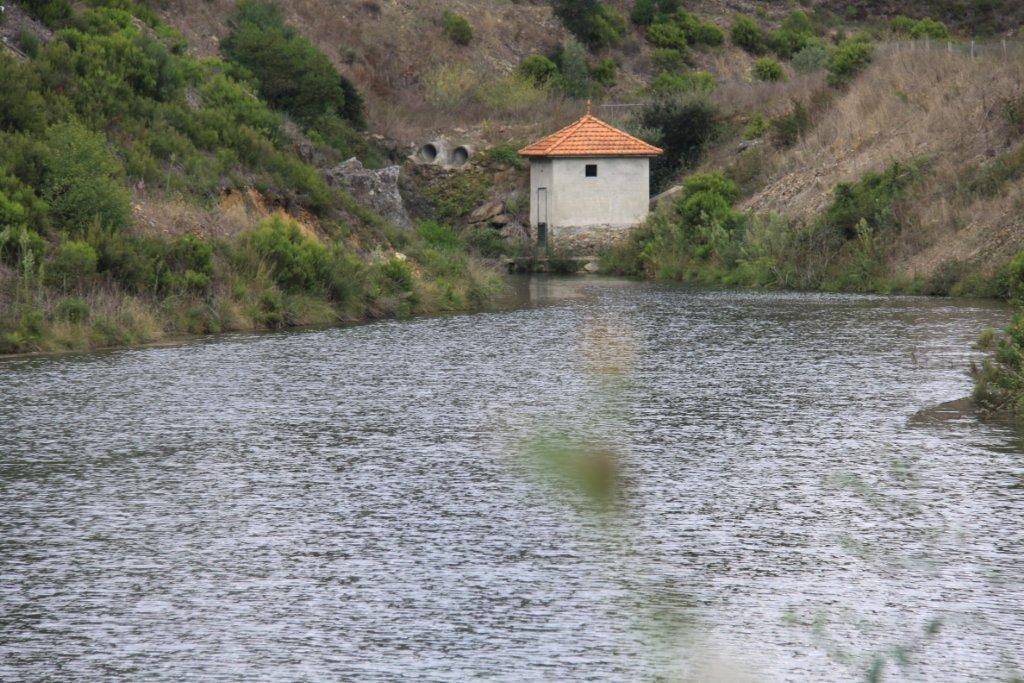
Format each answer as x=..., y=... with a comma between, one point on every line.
x=701, y=237
x=273, y=277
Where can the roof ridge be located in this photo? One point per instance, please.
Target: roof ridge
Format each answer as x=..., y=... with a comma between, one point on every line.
x=590, y=136
x=619, y=130
x=569, y=130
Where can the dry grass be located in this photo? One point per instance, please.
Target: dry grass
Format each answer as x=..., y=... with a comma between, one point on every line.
x=941, y=108
x=389, y=47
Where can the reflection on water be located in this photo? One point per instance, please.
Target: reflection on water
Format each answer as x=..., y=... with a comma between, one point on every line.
x=351, y=503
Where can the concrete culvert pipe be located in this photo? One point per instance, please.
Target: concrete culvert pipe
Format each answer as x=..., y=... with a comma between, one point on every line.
x=461, y=154
x=434, y=152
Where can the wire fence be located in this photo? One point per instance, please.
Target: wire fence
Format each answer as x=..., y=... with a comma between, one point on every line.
x=1006, y=48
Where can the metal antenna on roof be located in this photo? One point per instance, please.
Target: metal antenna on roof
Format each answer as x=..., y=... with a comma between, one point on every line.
x=588, y=107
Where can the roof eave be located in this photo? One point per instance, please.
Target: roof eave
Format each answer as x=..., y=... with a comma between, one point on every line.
x=544, y=155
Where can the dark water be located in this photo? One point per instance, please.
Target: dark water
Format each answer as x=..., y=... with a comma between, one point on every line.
x=353, y=504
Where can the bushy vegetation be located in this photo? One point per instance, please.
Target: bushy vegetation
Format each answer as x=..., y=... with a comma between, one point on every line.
x=797, y=33
x=292, y=73
x=569, y=70
x=848, y=60
x=646, y=12
x=53, y=13
x=538, y=69
x=812, y=58
x=669, y=84
x=920, y=28
x=679, y=30
x=768, y=69
x=591, y=21
x=456, y=28
x=748, y=34
x=702, y=238
x=682, y=127
x=999, y=378
x=113, y=102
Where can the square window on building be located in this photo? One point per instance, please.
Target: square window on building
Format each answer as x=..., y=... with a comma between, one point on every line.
x=591, y=170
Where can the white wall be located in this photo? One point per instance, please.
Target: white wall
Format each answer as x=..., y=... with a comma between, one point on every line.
x=618, y=197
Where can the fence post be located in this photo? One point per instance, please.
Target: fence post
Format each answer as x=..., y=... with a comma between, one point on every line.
x=972, y=48
x=949, y=46
x=1005, y=53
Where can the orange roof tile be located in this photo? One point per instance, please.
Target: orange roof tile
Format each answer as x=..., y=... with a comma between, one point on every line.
x=590, y=137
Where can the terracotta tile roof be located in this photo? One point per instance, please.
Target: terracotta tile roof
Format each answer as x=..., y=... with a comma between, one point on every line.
x=590, y=137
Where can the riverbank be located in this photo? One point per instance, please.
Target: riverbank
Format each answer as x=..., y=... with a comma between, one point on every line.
x=274, y=277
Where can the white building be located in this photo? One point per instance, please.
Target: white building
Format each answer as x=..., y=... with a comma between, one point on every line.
x=588, y=177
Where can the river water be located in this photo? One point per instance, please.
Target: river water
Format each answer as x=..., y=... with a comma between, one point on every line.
x=361, y=503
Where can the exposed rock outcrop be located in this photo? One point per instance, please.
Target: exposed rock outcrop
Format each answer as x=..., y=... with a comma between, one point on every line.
x=376, y=188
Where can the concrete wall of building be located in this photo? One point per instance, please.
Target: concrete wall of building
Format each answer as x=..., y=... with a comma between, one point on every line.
x=619, y=197
x=540, y=178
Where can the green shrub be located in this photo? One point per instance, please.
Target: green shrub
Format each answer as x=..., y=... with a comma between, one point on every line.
x=28, y=43
x=999, y=379
x=929, y=28
x=22, y=107
x=902, y=25
x=293, y=74
x=644, y=12
x=698, y=32
x=82, y=181
x=73, y=264
x=667, y=83
x=812, y=58
x=604, y=72
x=397, y=275
x=748, y=34
x=757, y=128
x=188, y=254
x=713, y=183
x=21, y=247
x=574, y=71
x=591, y=21
x=667, y=35
x=667, y=59
x=437, y=235
x=539, y=69
x=991, y=178
x=767, y=69
x=297, y=262
x=923, y=28
x=683, y=129
x=505, y=154
x=871, y=199
x=486, y=241
x=786, y=43
x=789, y=128
x=456, y=28
x=50, y=12
x=73, y=310
x=798, y=22
x=457, y=195
x=852, y=57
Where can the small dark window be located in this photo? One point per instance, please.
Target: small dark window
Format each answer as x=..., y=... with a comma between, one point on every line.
x=591, y=170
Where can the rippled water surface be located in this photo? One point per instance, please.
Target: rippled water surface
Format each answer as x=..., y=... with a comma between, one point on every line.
x=354, y=504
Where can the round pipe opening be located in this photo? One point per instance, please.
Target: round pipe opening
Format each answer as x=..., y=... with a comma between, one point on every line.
x=429, y=152
x=460, y=156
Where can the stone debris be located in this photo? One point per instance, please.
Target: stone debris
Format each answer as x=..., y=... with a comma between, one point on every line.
x=376, y=188
x=487, y=212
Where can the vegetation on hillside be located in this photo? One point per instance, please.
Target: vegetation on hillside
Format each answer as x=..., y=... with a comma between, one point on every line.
x=112, y=111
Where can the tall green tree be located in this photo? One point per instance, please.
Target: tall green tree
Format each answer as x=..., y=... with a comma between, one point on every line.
x=293, y=74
